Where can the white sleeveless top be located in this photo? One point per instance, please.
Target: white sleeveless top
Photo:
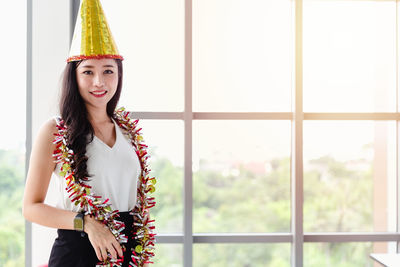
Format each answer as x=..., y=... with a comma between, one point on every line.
x=114, y=173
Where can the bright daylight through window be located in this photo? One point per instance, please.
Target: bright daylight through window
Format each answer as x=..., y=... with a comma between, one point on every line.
x=231, y=96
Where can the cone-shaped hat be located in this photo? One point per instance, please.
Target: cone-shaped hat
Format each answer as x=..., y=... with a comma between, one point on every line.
x=92, y=36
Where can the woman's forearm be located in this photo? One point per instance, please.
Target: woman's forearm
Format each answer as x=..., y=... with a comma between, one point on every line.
x=49, y=216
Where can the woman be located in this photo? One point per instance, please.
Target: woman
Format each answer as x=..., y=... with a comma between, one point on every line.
x=99, y=159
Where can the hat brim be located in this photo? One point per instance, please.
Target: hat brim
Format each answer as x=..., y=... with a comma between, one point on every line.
x=82, y=57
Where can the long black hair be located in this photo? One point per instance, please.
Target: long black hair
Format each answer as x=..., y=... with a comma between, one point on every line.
x=75, y=116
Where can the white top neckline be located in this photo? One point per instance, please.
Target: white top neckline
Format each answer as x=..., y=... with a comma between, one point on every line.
x=116, y=136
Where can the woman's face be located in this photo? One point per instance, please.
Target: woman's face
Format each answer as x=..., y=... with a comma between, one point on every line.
x=97, y=81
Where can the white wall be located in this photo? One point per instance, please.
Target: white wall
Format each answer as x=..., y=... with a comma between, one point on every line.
x=50, y=50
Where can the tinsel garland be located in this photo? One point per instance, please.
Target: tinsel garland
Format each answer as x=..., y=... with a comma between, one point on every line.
x=80, y=193
x=83, y=57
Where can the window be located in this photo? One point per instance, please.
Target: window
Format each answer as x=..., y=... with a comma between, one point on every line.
x=12, y=134
x=239, y=140
x=272, y=125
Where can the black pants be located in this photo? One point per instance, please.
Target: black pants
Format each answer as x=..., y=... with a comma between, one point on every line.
x=73, y=248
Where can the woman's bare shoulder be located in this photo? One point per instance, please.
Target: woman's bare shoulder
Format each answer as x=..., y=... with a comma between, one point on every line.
x=41, y=160
x=49, y=127
x=46, y=134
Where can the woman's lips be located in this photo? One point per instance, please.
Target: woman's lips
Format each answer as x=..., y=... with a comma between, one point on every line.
x=99, y=93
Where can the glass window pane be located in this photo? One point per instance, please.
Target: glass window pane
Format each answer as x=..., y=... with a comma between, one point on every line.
x=349, y=64
x=265, y=255
x=344, y=254
x=12, y=135
x=242, y=55
x=349, y=176
x=150, y=36
x=241, y=176
x=165, y=141
x=168, y=255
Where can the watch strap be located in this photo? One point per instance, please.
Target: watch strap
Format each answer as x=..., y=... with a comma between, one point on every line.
x=78, y=222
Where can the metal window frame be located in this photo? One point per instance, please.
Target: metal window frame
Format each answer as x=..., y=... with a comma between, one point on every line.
x=28, y=125
x=73, y=11
x=296, y=237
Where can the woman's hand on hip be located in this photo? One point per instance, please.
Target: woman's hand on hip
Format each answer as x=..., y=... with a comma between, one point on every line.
x=102, y=239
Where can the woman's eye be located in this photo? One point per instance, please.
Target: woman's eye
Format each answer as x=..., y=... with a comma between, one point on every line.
x=87, y=72
x=108, y=72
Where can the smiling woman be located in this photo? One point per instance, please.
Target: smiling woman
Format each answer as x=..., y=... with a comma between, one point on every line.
x=102, y=205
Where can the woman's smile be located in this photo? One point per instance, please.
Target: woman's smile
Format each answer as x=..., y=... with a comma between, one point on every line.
x=99, y=93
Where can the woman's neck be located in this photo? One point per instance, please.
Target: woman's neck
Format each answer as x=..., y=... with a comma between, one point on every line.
x=97, y=115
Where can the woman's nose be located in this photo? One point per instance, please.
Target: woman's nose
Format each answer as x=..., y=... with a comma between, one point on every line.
x=98, y=80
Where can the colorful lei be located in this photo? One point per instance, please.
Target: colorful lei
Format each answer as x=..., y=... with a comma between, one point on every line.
x=80, y=193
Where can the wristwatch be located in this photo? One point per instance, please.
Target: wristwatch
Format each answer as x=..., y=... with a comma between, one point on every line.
x=78, y=222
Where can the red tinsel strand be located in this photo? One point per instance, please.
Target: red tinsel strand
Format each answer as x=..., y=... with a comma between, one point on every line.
x=82, y=57
x=61, y=155
x=141, y=210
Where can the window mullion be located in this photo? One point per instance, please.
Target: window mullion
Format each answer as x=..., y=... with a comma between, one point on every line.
x=297, y=142
x=188, y=117
x=28, y=130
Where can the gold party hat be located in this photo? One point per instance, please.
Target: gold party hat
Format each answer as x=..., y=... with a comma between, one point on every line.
x=92, y=36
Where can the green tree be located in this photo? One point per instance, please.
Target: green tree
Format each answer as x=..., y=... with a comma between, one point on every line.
x=337, y=198
x=12, y=224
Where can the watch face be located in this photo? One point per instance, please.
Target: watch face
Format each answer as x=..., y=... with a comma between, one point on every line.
x=78, y=224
